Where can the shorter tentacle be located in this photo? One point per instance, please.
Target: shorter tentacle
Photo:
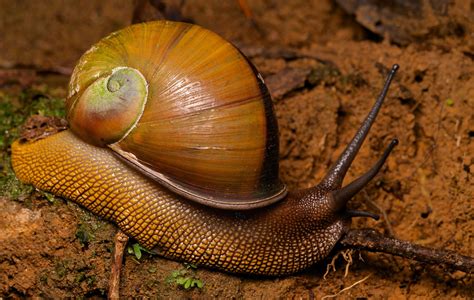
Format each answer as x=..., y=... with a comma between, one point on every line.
x=343, y=195
x=365, y=214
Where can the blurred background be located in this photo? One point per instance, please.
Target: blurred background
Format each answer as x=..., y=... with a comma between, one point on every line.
x=53, y=34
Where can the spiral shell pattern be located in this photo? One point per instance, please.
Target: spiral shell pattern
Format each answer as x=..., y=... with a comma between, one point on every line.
x=193, y=113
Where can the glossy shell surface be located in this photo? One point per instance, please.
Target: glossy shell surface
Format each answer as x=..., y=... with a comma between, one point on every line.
x=206, y=130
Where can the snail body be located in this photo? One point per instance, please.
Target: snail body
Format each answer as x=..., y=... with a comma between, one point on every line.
x=163, y=179
x=243, y=242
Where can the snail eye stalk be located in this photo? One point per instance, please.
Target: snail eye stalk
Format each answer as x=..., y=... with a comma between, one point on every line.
x=343, y=195
x=337, y=172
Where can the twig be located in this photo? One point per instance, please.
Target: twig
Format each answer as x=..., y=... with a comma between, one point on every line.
x=370, y=240
x=288, y=54
x=114, y=284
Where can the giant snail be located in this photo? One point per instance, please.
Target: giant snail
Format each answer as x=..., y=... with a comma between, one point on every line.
x=173, y=138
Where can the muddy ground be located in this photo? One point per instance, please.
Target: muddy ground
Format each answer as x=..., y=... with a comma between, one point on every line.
x=324, y=70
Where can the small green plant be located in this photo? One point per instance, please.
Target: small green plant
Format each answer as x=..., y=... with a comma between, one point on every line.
x=185, y=277
x=449, y=102
x=48, y=196
x=136, y=249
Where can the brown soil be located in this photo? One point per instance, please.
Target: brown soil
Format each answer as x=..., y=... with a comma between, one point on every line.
x=425, y=189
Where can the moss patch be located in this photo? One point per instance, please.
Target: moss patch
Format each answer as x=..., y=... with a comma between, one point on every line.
x=15, y=108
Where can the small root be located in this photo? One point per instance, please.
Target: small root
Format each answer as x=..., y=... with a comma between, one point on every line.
x=347, y=288
x=332, y=264
x=346, y=255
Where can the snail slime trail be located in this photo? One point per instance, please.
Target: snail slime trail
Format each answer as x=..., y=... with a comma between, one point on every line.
x=154, y=168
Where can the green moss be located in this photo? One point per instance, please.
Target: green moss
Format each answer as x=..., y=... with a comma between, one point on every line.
x=14, y=110
x=43, y=278
x=329, y=75
x=90, y=280
x=84, y=234
x=90, y=228
x=449, y=102
x=323, y=74
x=61, y=268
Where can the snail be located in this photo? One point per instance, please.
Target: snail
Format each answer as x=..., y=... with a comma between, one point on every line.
x=173, y=138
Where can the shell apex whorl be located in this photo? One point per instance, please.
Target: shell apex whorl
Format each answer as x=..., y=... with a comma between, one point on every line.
x=110, y=107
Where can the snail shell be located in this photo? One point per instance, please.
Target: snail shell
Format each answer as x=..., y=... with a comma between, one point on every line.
x=185, y=107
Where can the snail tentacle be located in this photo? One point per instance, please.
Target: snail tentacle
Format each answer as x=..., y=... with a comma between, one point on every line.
x=364, y=214
x=343, y=195
x=337, y=172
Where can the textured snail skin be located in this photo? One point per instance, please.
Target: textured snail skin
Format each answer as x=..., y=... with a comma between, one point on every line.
x=279, y=239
